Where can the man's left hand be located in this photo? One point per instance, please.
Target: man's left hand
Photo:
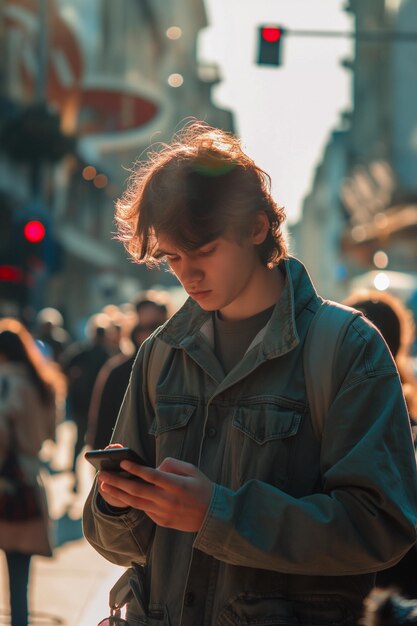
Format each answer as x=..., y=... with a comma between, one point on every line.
x=175, y=495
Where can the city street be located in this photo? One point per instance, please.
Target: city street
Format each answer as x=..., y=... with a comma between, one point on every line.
x=208, y=227
x=70, y=589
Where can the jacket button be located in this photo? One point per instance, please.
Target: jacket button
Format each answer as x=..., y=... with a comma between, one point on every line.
x=211, y=432
x=189, y=598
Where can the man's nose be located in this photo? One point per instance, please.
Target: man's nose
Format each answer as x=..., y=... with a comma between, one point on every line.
x=190, y=272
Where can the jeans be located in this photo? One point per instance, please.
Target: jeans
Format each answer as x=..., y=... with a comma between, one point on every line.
x=18, y=565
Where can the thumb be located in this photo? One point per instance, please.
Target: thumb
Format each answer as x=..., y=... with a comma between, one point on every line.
x=175, y=466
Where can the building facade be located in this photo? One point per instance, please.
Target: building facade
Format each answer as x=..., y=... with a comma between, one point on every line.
x=121, y=76
x=371, y=206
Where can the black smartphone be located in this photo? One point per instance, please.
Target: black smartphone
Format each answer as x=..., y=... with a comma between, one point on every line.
x=109, y=460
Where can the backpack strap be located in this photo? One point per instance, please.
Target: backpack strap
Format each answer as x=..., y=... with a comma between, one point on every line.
x=325, y=335
x=121, y=592
x=158, y=355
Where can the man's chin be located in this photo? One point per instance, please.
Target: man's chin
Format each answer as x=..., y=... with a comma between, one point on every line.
x=206, y=306
x=204, y=300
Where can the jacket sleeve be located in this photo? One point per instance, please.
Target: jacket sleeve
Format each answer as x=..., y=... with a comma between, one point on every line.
x=125, y=538
x=364, y=519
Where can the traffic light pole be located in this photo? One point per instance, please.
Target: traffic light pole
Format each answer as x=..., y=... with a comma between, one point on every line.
x=371, y=36
x=271, y=36
x=39, y=274
x=40, y=91
x=40, y=94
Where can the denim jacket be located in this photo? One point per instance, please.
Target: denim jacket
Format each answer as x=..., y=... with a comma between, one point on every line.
x=296, y=527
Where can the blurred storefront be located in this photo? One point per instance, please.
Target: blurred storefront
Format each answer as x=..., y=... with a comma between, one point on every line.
x=118, y=76
x=362, y=208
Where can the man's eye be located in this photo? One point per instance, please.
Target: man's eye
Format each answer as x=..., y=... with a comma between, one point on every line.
x=206, y=252
x=172, y=257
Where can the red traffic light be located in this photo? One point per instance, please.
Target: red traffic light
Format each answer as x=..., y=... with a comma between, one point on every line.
x=271, y=33
x=10, y=274
x=34, y=231
x=270, y=39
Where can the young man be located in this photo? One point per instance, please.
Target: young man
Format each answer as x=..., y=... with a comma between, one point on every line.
x=248, y=518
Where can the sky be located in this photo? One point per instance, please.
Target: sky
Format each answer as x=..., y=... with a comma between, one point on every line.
x=283, y=115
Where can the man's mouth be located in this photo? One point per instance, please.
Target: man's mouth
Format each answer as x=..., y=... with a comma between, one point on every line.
x=199, y=293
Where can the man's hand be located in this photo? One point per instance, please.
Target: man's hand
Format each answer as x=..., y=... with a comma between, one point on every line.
x=108, y=498
x=175, y=495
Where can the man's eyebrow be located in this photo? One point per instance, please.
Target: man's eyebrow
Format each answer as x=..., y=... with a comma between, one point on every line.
x=161, y=252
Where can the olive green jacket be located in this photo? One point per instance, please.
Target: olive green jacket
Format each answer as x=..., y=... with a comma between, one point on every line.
x=296, y=526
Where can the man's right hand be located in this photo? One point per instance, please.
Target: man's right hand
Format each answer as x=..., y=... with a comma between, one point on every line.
x=111, y=500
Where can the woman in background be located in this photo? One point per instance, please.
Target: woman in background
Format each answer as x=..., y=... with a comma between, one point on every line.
x=395, y=323
x=28, y=393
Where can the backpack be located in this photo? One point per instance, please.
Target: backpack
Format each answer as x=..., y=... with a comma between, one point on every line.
x=324, y=337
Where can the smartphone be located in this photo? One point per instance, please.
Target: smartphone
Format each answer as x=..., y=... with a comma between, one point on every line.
x=109, y=460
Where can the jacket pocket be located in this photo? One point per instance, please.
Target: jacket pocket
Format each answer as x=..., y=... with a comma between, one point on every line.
x=158, y=617
x=264, y=434
x=272, y=609
x=324, y=610
x=169, y=428
x=249, y=609
x=141, y=612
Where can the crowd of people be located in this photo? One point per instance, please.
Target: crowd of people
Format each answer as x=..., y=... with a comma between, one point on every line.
x=47, y=378
x=265, y=521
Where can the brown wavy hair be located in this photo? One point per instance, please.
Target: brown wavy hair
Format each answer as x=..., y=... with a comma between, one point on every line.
x=194, y=190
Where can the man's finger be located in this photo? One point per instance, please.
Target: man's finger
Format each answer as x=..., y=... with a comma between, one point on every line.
x=175, y=466
x=157, y=477
x=127, y=499
x=127, y=485
x=110, y=500
x=164, y=475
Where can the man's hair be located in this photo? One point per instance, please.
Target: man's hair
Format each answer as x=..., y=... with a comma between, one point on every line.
x=200, y=187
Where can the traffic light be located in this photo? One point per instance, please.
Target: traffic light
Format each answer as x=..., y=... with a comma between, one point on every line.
x=12, y=273
x=26, y=250
x=34, y=231
x=34, y=235
x=269, y=44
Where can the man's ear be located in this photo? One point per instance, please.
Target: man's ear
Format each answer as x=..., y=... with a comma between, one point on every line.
x=260, y=227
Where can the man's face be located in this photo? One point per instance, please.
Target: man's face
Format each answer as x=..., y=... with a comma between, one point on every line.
x=218, y=274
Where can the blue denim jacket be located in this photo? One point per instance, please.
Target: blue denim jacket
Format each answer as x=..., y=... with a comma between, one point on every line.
x=296, y=527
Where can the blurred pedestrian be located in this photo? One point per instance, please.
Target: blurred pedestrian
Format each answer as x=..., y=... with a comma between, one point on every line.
x=387, y=607
x=145, y=301
x=241, y=512
x=114, y=331
x=395, y=323
x=28, y=389
x=81, y=363
x=113, y=378
x=50, y=332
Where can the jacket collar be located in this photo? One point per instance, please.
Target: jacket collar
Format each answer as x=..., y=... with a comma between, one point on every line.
x=279, y=336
